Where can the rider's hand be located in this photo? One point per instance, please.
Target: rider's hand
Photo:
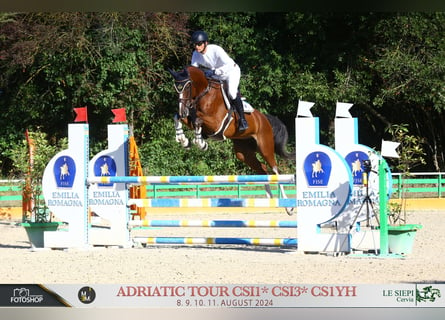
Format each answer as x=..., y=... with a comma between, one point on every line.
x=209, y=73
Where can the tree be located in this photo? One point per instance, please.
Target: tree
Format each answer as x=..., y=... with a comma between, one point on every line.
x=389, y=65
x=53, y=62
x=408, y=64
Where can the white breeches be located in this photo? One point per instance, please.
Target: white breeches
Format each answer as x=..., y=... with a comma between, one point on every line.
x=233, y=79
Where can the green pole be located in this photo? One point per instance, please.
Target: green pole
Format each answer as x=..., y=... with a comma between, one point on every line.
x=383, y=204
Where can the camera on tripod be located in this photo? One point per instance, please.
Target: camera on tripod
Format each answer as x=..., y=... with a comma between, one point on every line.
x=367, y=202
x=367, y=166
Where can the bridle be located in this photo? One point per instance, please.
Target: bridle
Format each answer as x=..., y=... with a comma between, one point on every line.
x=186, y=101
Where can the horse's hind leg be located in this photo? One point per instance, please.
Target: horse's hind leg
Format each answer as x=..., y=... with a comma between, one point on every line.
x=245, y=151
x=270, y=159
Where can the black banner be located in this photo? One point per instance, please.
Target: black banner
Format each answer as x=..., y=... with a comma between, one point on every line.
x=29, y=295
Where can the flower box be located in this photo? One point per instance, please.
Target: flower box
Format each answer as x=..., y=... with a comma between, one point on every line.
x=36, y=230
x=401, y=238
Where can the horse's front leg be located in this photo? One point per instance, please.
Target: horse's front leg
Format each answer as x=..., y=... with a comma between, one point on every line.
x=198, y=140
x=180, y=136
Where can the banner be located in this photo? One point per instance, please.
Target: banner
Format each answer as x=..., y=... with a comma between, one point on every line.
x=224, y=296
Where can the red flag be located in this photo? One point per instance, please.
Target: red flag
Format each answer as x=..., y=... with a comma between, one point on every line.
x=119, y=115
x=81, y=114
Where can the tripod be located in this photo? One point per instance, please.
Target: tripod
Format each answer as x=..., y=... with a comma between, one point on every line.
x=366, y=201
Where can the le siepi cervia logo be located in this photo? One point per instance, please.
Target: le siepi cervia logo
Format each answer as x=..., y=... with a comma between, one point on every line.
x=356, y=160
x=317, y=169
x=427, y=294
x=105, y=166
x=64, y=172
x=422, y=295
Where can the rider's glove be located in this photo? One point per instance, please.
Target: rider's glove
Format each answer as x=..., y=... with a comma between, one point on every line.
x=209, y=73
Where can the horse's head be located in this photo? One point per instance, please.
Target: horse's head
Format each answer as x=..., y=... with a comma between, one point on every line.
x=183, y=86
x=191, y=84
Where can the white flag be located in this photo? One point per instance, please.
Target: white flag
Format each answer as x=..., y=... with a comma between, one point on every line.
x=389, y=149
x=342, y=110
x=304, y=109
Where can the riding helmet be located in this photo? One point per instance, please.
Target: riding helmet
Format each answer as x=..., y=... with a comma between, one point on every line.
x=199, y=36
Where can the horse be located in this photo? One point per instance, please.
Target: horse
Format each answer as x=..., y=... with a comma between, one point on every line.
x=204, y=108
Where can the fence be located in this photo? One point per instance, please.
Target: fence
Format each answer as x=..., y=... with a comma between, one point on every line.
x=418, y=185
x=10, y=193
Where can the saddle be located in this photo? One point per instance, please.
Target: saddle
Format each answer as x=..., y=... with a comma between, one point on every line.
x=219, y=134
x=224, y=91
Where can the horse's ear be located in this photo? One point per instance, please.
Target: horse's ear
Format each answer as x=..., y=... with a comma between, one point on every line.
x=173, y=73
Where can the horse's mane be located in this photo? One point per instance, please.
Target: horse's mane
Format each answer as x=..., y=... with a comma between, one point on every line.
x=216, y=83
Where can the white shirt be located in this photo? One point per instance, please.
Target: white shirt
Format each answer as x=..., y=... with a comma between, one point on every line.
x=214, y=58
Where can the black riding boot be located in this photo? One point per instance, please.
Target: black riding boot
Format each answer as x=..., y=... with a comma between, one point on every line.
x=238, y=104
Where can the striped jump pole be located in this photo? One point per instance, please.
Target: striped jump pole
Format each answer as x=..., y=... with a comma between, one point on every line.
x=287, y=242
x=145, y=180
x=214, y=203
x=214, y=223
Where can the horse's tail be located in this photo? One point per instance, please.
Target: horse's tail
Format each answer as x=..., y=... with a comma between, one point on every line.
x=280, y=136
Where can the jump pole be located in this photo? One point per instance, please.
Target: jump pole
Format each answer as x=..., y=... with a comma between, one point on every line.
x=146, y=180
x=214, y=223
x=284, y=242
x=289, y=242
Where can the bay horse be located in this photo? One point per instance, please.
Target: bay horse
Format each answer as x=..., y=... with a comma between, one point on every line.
x=204, y=108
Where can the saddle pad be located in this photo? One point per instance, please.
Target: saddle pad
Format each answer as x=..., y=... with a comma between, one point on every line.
x=246, y=105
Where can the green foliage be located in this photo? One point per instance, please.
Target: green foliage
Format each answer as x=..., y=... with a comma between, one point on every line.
x=164, y=156
x=410, y=150
x=411, y=59
x=411, y=154
x=102, y=61
x=44, y=150
x=390, y=65
x=30, y=160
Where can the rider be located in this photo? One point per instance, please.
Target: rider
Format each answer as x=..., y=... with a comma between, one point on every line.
x=222, y=67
